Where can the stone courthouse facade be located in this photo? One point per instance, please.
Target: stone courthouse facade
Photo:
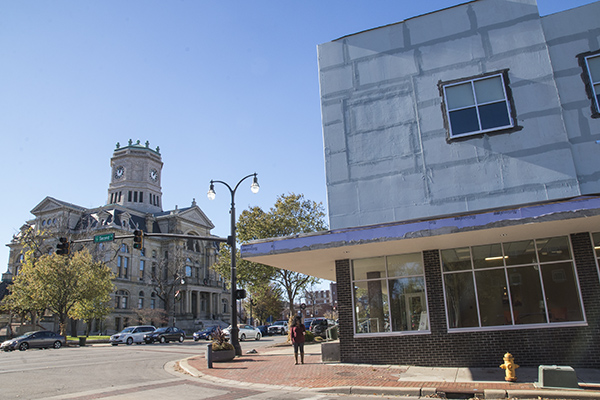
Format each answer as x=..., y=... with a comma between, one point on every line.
x=170, y=273
x=462, y=157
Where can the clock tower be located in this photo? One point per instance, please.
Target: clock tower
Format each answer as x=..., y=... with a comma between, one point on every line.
x=135, y=177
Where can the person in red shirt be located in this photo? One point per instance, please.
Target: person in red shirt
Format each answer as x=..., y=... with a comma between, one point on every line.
x=297, y=335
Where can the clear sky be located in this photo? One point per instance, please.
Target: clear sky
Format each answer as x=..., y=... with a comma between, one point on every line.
x=224, y=88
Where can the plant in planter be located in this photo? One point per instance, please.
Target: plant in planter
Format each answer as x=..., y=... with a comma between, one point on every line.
x=220, y=342
x=222, y=350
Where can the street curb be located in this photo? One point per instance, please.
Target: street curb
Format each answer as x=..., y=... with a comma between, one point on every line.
x=423, y=391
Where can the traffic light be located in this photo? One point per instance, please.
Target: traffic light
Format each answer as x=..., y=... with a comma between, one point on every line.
x=240, y=294
x=138, y=239
x=63, y=246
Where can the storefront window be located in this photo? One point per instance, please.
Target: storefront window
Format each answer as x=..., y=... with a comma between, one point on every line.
x=596, y=241
x=509, y=284
x=389, y=294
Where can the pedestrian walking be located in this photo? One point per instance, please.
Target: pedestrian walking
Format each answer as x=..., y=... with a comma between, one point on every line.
x=297, y=334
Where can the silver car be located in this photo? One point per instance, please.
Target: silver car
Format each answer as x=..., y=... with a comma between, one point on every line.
x=245, y=332
x=131, y=335
x=37, y=339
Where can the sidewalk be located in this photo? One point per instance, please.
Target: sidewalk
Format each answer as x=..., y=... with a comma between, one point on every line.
x=273, y=367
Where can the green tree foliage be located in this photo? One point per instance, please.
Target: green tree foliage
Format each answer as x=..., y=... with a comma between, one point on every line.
x=265, y=301
x=292, y=214
x=95, y=301
x=67, y=286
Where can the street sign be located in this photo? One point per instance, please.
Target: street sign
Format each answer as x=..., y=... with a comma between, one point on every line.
x=108, y=237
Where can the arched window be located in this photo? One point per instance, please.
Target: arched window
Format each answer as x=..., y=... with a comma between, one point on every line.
x=188, y=267
x=153, y=301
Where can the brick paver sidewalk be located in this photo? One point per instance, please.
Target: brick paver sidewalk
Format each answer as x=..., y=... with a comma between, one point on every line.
x=271, y=368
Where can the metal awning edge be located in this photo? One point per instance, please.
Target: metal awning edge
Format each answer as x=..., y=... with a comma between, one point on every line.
x=579, y=207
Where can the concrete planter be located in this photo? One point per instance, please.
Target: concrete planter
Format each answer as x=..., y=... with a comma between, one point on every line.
x=223, y=355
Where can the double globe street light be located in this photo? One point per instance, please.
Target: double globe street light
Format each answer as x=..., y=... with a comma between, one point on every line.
x=231, y=241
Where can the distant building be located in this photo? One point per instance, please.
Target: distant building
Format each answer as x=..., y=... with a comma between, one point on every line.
x=462, y=161
x=317, y=303
x=173, y=268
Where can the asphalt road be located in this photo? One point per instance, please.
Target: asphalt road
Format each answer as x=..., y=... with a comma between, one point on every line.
x=122, y=372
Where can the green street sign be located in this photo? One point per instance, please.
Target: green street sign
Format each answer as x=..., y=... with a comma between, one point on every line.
x=109, y=237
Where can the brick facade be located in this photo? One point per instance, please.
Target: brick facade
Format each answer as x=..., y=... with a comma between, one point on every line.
x=574, y=346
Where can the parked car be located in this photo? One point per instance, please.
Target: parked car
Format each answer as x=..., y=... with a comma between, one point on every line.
x=263, y=329
x=131, y=334
x=37, y=339
x=206, y=333
x=307, y=322
x=245, y=332
x=165, y=335
x=279, y=328
x=318, y=326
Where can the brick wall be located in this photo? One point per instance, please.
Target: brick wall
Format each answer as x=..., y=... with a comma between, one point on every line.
x=573, y=346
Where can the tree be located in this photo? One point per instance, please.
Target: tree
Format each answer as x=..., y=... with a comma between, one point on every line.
x=95, y=302
x=292, y=214
x=61, y=284
x=151, y=316
x=264, y=302
x=168, y=277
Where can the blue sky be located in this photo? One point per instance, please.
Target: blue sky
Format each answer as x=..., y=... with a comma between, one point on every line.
x=225, y=88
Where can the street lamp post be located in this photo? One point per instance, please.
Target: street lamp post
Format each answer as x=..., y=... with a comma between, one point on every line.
x=232, y=243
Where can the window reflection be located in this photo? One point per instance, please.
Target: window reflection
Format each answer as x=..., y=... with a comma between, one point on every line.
x=389, y=294
x=513, y=283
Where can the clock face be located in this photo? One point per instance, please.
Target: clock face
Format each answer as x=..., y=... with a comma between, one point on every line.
x=119, y=172
x=154, y=175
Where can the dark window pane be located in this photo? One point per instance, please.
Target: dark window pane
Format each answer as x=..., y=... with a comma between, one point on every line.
x=460, y=300
x=553, y=249
x=492, y=293
x=562, y=295
x=408, y=304
x=464, y=121
x=526, y=295
x=494, y=115
x=518, y=253
x=487, y=256
x=456, y=259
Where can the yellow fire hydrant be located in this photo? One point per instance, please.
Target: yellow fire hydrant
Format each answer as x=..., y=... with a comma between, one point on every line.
x=509, y=366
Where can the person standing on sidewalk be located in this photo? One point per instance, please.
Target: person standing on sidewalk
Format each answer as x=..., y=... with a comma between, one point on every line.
x=297, y=334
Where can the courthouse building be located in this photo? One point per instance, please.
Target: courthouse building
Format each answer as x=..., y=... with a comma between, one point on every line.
x=463, y=179
x=171, y=267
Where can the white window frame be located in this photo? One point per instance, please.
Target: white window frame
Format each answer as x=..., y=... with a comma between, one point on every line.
x=477, y=105
x=538, y=264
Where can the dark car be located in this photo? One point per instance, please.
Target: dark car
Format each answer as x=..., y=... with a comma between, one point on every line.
x=206, y=333
x=307, y=322
x=38, y=339
x=263, y=330
x=165, y=335
x=319, y=326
